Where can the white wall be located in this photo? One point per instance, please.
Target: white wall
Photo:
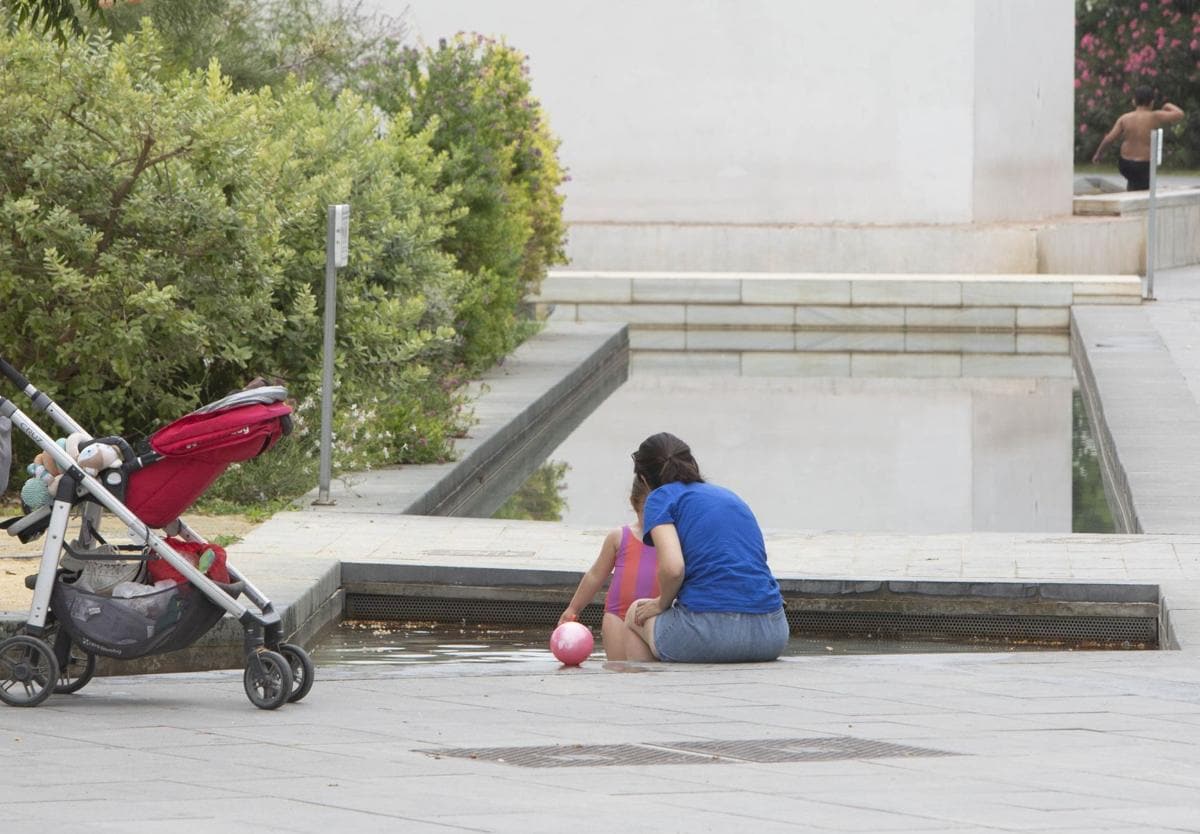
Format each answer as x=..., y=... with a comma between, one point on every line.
x=1024, y=105
x=794, y=111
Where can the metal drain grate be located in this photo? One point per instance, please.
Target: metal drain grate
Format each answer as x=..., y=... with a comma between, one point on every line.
x=475, y=611
x=532, y=613
x=1072, y=629
x=759, y=751
x=805, y=749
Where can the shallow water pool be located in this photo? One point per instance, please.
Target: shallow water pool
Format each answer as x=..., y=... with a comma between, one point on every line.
x=379, y=643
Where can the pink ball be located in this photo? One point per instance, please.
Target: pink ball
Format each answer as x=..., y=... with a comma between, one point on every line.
x=572, y=643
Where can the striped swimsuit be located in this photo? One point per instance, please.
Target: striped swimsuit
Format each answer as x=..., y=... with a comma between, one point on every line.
x=635, y=574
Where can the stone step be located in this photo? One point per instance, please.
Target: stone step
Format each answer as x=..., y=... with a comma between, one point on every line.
x=767, y=302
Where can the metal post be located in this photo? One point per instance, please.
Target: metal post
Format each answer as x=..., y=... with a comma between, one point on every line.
x=1151, y=229
x=336, y=250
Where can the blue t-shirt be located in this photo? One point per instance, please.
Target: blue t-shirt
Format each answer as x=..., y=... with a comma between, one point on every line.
x=724, y=556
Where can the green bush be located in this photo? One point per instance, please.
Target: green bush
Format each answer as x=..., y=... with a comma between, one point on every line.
x=162, y=241
x=162, y=232
x=472, y=96
x=137, y=276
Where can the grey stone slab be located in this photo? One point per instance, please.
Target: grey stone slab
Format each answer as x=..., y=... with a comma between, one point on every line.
x=688, y=288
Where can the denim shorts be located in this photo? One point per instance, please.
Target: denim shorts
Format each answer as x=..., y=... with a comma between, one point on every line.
x=683, y=636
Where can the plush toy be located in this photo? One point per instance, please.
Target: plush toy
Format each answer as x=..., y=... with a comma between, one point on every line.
x=45, y=472
x=35, y=493
x=97, y=457
x=73, y=442
x=38, y=491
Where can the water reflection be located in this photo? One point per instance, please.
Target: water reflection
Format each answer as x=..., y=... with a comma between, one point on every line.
x=847, y=454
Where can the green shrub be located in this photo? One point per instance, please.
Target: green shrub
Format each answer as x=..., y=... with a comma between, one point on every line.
x=162, y=241
x=162, y=233
x=137, y=275
x=472, y=96
x=397, y=296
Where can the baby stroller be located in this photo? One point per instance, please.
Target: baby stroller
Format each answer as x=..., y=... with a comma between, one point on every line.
x=73, y=619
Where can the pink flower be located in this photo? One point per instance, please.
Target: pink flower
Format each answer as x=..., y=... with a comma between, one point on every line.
x=1083, y=128
x=1195, y=44
x=1085, y=75
x=1078, y=83
x=1145, y=7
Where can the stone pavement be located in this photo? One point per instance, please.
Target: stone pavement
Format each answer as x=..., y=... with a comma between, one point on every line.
x=1054, y=741
x=1063, y=741
x=1140, y=366
x=991, y=742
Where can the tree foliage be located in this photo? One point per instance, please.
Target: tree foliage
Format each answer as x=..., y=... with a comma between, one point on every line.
x=60, y=18
x=473, y=96
x=1124, y=44
x=163, y=196
x=264, y=42
x=162, y=237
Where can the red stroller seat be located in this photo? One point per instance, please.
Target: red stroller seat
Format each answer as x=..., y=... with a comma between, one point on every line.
x=186, y=456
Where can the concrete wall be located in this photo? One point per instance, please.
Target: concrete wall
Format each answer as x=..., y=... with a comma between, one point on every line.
x=834, y=325
x=783, y=112
x=1023, y=101
x=1177, y=224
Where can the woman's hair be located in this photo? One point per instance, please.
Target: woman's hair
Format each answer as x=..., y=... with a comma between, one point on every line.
x=663, y=459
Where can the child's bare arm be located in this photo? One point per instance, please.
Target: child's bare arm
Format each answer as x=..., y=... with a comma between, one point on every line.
x=671, y=571
x=600, y=570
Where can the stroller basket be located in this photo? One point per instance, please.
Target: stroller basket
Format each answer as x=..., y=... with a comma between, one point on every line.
x=163, y=621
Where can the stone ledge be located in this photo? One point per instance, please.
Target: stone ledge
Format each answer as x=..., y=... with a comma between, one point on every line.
x=523, y=407
x=666, y=296
x=1134, y=202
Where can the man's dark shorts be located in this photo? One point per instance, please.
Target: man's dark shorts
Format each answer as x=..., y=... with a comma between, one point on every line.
x=1136, y=174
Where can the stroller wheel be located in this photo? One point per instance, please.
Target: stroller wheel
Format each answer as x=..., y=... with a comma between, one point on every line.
x=302, y=670
x=28, y=671
x=75, y=666
x=268, y=680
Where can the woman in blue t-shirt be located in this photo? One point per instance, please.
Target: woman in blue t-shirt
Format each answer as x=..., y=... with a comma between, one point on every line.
x=718, y=601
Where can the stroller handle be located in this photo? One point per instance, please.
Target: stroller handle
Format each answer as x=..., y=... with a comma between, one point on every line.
x=18, y=378
x=41, y=401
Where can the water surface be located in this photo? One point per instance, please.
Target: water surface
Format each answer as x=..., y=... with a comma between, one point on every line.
x=844, y=454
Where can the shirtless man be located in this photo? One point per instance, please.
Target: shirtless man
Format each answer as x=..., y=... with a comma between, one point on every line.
x=1133, y=129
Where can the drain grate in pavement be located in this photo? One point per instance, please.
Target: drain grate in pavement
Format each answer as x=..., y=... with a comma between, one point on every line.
x=763, y=751
x=573, y=755
x=805, y=749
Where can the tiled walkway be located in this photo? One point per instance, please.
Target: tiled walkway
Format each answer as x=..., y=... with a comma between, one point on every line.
x=1063, y=742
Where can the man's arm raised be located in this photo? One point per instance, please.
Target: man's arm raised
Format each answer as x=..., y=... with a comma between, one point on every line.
x=1169, y=114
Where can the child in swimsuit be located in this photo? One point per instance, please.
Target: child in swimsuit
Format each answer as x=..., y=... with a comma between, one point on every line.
x=634, y=571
